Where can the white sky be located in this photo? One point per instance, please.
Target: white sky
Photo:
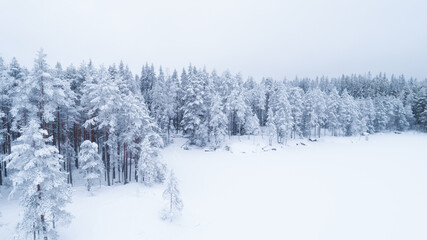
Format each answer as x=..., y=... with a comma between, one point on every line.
x=257, y=38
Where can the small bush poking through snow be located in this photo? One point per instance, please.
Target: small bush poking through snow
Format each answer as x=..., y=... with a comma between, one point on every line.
x=172, y=195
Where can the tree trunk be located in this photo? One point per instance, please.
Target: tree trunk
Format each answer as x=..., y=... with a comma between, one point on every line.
x=136, y=168
x=42, y=106
x=1, y=174
x=92, y=133
x=59, y=133
x=41, y=216
x=9, y=146
x=76, y=163
x=169, y=127
x=108, y=165
x=107, y=162
x=125, y=167
x=119, y=163
x=130, y=167
x=70, y=171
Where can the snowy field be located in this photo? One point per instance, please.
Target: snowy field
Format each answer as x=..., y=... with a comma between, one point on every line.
x=337, y=188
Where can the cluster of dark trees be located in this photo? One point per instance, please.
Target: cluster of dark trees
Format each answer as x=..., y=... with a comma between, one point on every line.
x=131, y=116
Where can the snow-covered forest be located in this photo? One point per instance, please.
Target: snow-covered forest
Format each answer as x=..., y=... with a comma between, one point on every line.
x=108, y=125
x=131, y=116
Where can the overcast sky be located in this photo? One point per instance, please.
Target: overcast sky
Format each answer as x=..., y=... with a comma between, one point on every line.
x=257, y=38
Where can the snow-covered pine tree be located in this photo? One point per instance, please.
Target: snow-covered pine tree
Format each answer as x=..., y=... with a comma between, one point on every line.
x=361, y=120
x=91, y=164
x=260, y=95
x=319, y=109
x=159, y=103
x=420, y=108
x=282, y=112
x=150, y=169
x=164, y=103
x=251, y=123
x=45, y=95
x=296, y=101
x=22, y=109
x=176, y=91
x=349, y=115
x=172, y=196
x=238, y=109
x=332, y=112
x=41, y=186
x=381, y=118
x=12, y=119
x=66, y=114
x=369, y=113
x=399, y=119
x=249, y=93
x=194, y=108
x=147, y=78
x=46, y=91
x=5, y=106
x=218, y=121
x=271, y=126
x=183, y=86
x=236, y=105
x=134, y=127
x=103, y=100
x=310, y=117
x=172, y=103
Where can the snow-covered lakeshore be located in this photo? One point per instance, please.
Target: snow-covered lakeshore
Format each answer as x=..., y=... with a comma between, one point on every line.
x=336, y=188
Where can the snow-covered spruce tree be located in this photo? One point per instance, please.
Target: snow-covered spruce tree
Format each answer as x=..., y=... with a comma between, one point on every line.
x=172, y=196
x=90, y=163
x=150, y=169
x=40, y=184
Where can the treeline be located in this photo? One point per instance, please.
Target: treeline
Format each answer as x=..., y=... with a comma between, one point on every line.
x=131, y=117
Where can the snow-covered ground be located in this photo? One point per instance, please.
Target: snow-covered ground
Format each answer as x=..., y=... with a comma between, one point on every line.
x=336, y=188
